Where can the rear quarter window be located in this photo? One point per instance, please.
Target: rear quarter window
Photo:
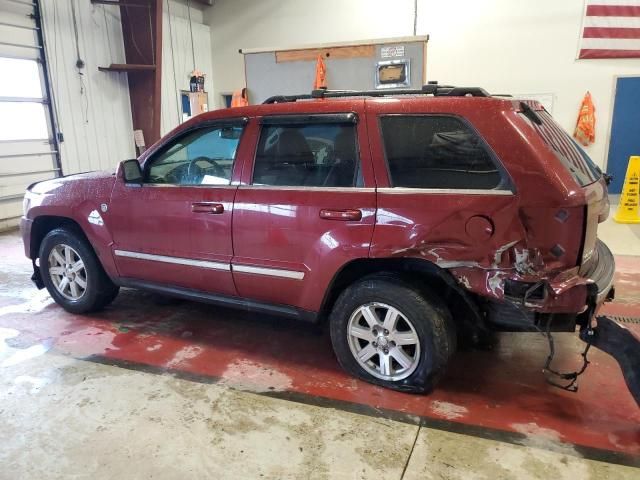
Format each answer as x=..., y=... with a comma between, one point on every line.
x=437, y=152
x=566, y=150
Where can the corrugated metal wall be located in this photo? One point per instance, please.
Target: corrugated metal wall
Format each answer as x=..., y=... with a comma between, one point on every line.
x=27, y=146
x=177, y=59
x=93, y=109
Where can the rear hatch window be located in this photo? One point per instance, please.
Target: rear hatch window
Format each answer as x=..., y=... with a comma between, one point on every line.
x=572, y=157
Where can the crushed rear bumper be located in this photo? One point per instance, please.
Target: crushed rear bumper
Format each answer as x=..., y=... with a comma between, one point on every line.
x=600, y=270
x=566, y=300
x=573, y=291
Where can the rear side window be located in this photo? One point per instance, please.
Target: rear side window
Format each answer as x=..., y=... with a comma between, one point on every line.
x=572, y=157
x=435, y=151
x=315, y=155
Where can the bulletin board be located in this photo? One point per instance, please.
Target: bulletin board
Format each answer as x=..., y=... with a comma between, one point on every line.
x=350, y=66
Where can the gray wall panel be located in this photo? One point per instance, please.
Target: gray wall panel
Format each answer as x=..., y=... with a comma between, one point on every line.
x=266, y=77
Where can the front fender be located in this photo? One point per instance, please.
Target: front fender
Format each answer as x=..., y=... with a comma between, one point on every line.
x=83, y=201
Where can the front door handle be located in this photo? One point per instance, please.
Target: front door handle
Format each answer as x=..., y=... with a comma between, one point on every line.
x=207, y=207
x=349, y=214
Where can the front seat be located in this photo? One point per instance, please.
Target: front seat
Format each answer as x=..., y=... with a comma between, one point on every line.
x=293, y=158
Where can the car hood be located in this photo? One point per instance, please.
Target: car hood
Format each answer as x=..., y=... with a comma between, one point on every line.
x=73, y=181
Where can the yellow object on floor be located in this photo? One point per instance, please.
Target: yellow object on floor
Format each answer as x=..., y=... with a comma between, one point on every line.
x=628, y=209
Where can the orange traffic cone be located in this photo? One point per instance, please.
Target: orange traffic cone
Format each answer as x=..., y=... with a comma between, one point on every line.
x=321, y=74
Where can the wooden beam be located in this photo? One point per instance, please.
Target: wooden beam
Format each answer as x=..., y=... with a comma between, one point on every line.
x=125, y=67
x=308, y=54
x=117, y=3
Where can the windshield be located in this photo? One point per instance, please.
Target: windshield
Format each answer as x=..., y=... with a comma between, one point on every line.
x=572, y=157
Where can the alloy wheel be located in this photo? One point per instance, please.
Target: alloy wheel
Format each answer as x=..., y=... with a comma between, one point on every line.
x=67, y=272
x=383, y=341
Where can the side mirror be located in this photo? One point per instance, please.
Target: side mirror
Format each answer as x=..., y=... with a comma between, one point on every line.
x=131, y=171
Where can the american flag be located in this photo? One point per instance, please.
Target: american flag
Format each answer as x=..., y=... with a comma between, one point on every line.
x=611, y=29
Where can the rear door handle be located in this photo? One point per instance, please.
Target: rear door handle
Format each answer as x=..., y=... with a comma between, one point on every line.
x=207, y=207
x=349, y=214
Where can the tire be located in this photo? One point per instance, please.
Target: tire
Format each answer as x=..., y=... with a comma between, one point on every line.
x=82, y=288
x=420, y=317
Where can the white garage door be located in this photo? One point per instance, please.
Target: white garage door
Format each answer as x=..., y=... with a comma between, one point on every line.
x=27, y=145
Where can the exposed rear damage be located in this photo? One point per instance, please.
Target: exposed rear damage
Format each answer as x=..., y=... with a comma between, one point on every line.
x=523, y=294
x=517, y=293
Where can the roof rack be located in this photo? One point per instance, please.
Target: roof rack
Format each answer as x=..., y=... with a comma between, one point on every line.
x=432, y=88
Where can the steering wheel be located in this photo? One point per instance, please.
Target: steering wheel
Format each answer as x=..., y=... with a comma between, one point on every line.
x=218, y=171
x=191, y=173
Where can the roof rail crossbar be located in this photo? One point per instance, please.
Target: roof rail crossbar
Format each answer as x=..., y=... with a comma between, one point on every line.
x=287, y=98
x=364, y=93
x=465, y=91
x=429, y=89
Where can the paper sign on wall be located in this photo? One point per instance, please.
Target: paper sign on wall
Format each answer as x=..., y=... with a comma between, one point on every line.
x=138, y=138
x=392, y=51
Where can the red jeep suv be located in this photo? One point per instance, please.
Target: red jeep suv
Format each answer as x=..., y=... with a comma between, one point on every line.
x=412, y=220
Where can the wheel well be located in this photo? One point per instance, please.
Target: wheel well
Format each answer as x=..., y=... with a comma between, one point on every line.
x=43, y=225
x=462, y=304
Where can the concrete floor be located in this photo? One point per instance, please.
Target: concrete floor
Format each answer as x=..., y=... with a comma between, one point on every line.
x=151, y=388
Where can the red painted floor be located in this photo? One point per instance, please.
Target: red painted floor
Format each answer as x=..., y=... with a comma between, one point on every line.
x=502, y=389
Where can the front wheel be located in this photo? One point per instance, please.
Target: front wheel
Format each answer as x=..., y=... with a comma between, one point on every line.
x=72, y=273
x=390, y=333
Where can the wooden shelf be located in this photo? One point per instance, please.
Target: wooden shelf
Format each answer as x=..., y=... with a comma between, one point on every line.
x=128, y=67
x=143, y=3
x=142, y=40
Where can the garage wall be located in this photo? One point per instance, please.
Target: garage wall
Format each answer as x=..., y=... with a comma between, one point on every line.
x=267, y=74
x=93, y=109
x=177, y=57
x=505, y=46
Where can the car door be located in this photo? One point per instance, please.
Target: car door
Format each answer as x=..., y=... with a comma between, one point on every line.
x=305, y=208
x=175, y=228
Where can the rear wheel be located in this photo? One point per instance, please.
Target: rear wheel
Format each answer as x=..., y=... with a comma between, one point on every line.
x=72, y=273
x=393, y=334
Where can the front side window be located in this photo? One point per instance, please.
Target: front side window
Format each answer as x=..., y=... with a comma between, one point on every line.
x=435, y=151
x=201, y=157
x=314, y=155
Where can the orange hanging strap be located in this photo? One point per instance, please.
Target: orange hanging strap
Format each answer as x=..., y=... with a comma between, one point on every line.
x=585, y=131
x=239, y=98
x=321, y=74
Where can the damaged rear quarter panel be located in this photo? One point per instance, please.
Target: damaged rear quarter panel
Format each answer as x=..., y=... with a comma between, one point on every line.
x=436, y=232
